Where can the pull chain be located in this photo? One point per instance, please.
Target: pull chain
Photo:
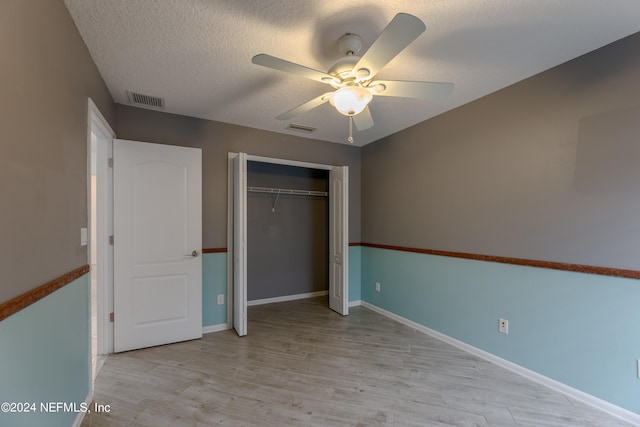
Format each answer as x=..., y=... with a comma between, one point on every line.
x=350, y=139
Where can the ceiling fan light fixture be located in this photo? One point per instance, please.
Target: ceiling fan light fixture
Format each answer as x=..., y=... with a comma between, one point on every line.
x=351, y=100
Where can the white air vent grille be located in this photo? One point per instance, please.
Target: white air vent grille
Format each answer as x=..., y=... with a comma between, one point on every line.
x=148, y=101
x=301, y=128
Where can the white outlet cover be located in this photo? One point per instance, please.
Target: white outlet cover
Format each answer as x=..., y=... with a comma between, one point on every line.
x=84, y=236
x=503, y=326
x=220, y=299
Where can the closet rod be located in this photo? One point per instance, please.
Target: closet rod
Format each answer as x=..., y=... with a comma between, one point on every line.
x=287, y=191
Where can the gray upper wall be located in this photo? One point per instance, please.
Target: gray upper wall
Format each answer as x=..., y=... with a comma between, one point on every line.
x=546, y=169
x=47, y=74
x=217, y=140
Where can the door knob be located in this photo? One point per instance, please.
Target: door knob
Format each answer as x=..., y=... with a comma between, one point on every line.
x=192, y=255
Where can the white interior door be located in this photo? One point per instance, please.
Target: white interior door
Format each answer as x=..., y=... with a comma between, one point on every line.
x=157, y=244
x=240, y=244
x=339, y=239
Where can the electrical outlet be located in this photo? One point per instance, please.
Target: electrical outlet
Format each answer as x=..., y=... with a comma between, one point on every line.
x=220, y=299
x=377, y=286
x=503, y=326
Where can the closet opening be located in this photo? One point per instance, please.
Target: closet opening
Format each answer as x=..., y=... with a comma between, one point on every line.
x=323, y=233
x=287, y=232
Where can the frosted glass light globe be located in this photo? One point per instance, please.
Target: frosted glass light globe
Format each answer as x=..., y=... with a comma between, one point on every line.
x=351, y=100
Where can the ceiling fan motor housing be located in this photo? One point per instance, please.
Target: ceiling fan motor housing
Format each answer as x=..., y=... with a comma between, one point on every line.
x=350, y=44
x=343, y=68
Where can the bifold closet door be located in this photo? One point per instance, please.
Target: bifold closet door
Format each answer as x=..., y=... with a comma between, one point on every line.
x=240, y=244
x=339, y=239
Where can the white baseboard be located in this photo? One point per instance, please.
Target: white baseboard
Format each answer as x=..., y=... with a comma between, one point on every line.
x=215, y=328
x=569, y=391
x=80, y=416
x=287, y=298
x=355, y=303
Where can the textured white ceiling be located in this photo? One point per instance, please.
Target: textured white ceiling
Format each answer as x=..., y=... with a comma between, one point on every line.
x=196, y=54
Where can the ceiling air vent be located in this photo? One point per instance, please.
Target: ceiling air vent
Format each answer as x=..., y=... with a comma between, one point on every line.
x=147, y=101
x=301, y=128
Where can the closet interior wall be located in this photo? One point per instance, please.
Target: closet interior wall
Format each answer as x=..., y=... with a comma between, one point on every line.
x=287, y=235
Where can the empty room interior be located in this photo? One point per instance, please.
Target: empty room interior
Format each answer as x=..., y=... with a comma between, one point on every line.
x=320, y=213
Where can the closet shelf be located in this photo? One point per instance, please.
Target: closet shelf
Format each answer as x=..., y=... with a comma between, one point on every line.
x=287, y=191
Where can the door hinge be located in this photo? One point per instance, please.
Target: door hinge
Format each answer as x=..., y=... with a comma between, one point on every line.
x=110, y=317
x=111, y=240
x=110, y=162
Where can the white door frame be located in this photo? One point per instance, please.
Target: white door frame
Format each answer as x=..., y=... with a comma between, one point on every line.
x=98, y=125
x=230, y=192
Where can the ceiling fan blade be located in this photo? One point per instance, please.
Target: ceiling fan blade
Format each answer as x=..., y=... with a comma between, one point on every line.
x=291, y=67
x=303, y=108
x=363, y=120
x=399, y=33
x=408, y=89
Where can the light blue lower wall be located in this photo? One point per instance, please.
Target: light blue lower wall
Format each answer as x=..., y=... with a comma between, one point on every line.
x=579, y=329
x=355, y=273
x=214, y=283
x=44, y=356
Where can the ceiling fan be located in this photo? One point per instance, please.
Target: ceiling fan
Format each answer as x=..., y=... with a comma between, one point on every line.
x=352, y=76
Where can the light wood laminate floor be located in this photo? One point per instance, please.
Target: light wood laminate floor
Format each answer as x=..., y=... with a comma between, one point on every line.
x=304, y=365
